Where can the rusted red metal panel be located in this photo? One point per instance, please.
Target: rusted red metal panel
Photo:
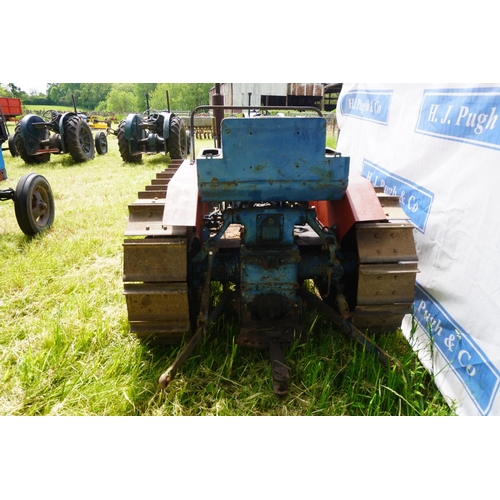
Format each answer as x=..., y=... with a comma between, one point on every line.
x=305, y=89
x=360, y=204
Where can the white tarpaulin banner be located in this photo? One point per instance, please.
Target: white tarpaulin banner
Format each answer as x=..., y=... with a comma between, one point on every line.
x=437, y=146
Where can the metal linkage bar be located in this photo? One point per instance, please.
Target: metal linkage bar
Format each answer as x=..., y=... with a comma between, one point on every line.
x=349, y=330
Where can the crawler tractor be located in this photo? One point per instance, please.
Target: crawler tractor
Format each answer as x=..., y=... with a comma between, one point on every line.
x=152, y=133
x=36, y=138
x=272, y=215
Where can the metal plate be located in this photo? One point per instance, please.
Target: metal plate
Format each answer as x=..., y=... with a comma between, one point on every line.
x=154, y=260
x=385, y=242
x=161, y=302
x=386, y=283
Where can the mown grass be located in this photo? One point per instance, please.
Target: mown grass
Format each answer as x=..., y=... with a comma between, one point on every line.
x=65, y=347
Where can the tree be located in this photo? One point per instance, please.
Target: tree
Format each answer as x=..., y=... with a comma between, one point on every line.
x=183, y=96
x=15, y=91
x=91, y=94
x=141, y=89
x=121, y=100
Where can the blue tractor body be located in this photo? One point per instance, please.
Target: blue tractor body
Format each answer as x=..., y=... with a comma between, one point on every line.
x=272, y=159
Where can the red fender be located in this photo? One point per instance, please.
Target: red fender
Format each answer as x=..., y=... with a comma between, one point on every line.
x=360, y=204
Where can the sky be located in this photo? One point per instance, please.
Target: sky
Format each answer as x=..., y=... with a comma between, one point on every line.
x=343, y=44
x=31, y=84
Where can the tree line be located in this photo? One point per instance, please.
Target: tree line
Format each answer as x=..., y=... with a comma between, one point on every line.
x=115, y=97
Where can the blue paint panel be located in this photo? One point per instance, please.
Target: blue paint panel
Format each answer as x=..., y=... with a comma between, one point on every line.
x=466, y=359
x=3, y=170
x=465, y=115
x=415, y=200
x=272, y=159
x=367, y=105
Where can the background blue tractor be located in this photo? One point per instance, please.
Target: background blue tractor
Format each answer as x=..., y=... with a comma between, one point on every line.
x=33, y=198
x=151, y=133
x=37, y=137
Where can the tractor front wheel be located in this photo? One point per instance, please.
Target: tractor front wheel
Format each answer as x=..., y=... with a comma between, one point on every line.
x=33, y=204
x=79, y=139
x=101, y=143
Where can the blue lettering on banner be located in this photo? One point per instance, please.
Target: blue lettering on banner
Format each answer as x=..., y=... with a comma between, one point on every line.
x=465, y=115
x=368, y=105
x=415, y=200
x=468, y=362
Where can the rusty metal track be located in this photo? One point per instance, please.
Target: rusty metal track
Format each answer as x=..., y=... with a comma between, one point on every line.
x=155, y=267
x=388, y=265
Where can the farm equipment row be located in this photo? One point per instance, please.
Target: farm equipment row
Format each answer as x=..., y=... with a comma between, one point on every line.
x=272, y=215
x=33, y=198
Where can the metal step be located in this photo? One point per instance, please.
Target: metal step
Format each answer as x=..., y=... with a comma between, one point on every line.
x=145, y=219
x=151, y=195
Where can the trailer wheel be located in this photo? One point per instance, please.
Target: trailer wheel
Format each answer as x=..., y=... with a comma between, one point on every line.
x=177, y=139
x=79, y=139
x=101, y=143
x=23, y=152
x=33, y=204
x=12, y=146
x=123, y=145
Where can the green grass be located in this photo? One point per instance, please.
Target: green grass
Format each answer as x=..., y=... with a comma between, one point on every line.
x=65, y=346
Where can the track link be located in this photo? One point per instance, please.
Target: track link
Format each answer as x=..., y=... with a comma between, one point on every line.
x=155, y=267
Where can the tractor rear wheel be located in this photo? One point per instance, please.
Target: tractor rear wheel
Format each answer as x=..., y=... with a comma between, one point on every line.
x=23, y=152
x=79, y=140
x=177, y=139
x=101, y=143
x=123, y=146
x=33, y=204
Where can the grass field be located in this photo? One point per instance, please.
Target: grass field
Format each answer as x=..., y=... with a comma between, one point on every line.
x=65, y=347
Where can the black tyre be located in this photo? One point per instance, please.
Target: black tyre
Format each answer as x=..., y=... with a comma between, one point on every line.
x=22, y=151
x=124, y=147
x=12, y=146
x=101, y=143
x=78, y=139
x=177, y=139
x=34, y=204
